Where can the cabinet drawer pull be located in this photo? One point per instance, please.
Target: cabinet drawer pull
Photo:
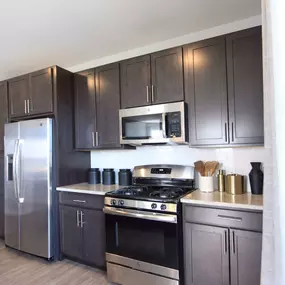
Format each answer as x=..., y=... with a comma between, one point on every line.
x=238, y=219
x=233, y=132
x=79, y=201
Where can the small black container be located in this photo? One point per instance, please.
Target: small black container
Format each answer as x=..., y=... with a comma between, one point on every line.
x=125, y=177
x=108, y=176
x=94, y=176
x=256, y=178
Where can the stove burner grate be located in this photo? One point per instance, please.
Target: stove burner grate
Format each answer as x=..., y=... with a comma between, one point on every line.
x=167, y=193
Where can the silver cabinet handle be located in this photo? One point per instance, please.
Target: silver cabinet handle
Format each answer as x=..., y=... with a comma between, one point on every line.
x=141, y=215
x=163, y=125
x=28, y=106
x=233, y=132
x=25, y=106
x=93, y=139
x=81, y=219
x=79, y=201
x=234, y=243
x=97, y=139
x=226, y=132
x=77, y=219
x=238, y=219
x=152, y=93
x=147, y=94
x=226, y=241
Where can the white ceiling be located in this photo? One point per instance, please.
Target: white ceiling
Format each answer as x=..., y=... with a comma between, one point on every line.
x=39, y=33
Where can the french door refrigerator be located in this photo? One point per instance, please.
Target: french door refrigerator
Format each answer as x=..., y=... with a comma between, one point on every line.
x=28, y=186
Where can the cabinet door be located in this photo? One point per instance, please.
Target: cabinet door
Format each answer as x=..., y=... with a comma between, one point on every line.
x=108, y=105
x=41, y=92
x=206, y=255
x=94, y=237
x=135, y=82
x=206, y=92
x=85, y=110
x=3, y=112
x=18, y=94
x=245, y=87
x=2, y=217
x=246, y=250
x=70, y=232
x=167, y=76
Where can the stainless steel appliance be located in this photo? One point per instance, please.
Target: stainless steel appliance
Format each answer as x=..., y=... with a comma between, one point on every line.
x=28, y=186
x=143, y=226
x=156, y=124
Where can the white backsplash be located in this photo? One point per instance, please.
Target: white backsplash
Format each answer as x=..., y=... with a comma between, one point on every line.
x=233, y=160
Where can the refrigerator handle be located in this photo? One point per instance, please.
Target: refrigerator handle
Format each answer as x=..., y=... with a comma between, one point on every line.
x=15, y=176
x=21, y=199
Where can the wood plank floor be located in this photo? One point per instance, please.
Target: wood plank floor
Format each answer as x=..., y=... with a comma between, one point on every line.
x=22, y=269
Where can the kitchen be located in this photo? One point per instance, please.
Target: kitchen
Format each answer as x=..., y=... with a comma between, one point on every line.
x=199, y=99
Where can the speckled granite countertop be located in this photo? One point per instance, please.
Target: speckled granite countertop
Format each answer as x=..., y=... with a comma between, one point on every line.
x=222, y=199
x=85, y=188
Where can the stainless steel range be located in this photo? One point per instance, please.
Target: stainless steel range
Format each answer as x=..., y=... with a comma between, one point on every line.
x=143, y=232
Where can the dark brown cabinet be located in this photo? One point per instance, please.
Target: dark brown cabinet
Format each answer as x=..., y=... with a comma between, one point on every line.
x=31, y=94
x=221, y=246
x=206, y=255
x=245, y=259
x=70, y=234
x=3, y=112
x=135, y=82
x=108, y=105
x=41, y=92
x=93, y=232
x=82, y=227
x=167, y=76
x=245, y=87
x=224, y=89
x=97, y=104
x=18, y=96
x=85, y=110
x=152, y=79
x=206, y=91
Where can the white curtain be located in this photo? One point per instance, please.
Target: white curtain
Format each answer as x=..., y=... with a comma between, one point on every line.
x=273, y=253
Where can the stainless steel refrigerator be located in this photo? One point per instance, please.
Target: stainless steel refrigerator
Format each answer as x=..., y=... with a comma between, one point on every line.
x=28, y=186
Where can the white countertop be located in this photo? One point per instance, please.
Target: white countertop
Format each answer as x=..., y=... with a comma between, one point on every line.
x=85, y=188
x=222, y=199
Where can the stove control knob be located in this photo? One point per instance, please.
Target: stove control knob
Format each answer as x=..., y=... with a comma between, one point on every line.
x=121, y=202
x=163, y=207
x=153, y=206
x=113, y=202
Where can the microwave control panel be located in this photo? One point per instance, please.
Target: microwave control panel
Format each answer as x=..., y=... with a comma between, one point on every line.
x=174, y=124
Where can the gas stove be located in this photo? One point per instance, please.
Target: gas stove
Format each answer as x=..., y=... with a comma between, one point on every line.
x=155, y=188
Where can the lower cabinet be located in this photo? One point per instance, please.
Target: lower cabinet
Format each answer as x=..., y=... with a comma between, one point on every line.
x=220, y=255
x=82, y=233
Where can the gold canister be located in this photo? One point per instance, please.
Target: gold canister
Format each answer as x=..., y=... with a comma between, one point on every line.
x=221, y=181
x=234, y=184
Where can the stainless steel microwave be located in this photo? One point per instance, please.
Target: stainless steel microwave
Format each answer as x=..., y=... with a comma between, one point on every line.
x=156, y=124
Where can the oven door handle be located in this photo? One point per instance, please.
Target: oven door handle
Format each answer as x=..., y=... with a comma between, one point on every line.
x=141, y=215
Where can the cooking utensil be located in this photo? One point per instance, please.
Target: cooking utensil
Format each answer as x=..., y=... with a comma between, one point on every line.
x=200, y=167
x=210, y=167
x=214, y=165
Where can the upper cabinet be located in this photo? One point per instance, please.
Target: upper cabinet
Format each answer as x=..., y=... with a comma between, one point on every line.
x=167, y=76
x=3, y=112
x=135, y=82
x=97, y=104
x=224, y=90
x=245, y=87
x=152, y=79
x=31, y=94
x=206, y=91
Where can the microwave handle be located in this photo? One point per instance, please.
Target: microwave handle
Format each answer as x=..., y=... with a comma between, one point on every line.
x=164, y=125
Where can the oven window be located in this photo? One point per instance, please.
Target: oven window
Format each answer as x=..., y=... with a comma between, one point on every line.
x=142, y=127
x=145, y=240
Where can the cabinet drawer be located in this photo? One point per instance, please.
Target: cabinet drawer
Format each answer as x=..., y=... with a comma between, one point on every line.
x=82, y=200
x=225, y=218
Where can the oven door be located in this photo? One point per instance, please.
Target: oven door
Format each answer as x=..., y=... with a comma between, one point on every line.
x=142, y=236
